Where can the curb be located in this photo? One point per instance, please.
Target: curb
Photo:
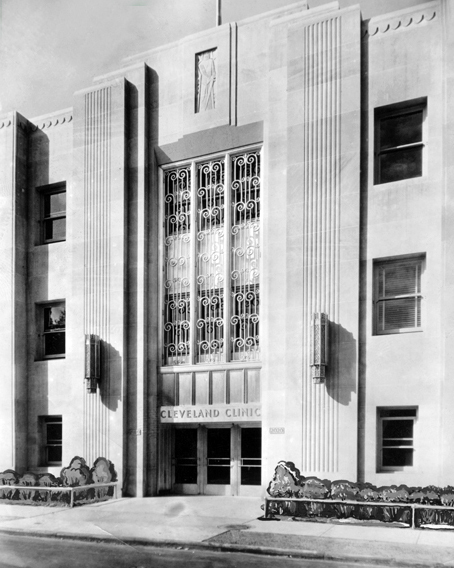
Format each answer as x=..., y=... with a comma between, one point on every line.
x=207, y=546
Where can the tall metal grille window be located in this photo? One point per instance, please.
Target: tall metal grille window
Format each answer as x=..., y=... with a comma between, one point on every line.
x=245, y=251
x=177, y=244
x=210, y=261
x=211, y=265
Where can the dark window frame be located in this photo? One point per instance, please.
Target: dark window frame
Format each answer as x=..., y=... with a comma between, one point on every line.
x=404, y=444
x=395, y=111
x=48, y=218
x=49, y=444
x=44, y=332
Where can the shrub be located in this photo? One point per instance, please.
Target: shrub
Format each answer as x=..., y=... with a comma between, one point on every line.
x=345, y=490
x=285, y=482
x=314, y=488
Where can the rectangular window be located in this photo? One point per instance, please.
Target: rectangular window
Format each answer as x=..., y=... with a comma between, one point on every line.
x=399, y=143
x=212, y=260
x=396, y=438
x=397, y=296
x=53, y=216
x=53, y=325
x=52, y=427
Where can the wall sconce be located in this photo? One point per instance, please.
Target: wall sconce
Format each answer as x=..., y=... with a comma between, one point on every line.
x=92, y=362
x=319, y=346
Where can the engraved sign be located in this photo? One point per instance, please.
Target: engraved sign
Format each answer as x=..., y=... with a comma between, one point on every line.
x=205, y=81
x=279, y=430
x=211, y=413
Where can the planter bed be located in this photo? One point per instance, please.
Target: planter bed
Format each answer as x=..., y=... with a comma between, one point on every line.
x=77, y=485
x=58, y=496
x=293, y=495
x=414, y=515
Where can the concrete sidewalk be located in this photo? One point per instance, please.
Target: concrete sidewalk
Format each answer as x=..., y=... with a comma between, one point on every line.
x=230, y=523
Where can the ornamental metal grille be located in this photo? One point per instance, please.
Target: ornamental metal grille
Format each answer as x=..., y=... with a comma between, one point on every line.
x=210, y=261
x=214, y=259
x=245, y=256
x=177, y=240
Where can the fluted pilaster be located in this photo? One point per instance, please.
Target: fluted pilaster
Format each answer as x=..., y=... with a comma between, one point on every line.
x=98, y=234
x=320, y=215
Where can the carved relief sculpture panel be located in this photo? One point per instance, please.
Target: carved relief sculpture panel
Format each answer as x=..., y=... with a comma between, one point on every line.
x=205, y=95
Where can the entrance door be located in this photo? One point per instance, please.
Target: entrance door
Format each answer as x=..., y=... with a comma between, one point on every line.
x=218, y=461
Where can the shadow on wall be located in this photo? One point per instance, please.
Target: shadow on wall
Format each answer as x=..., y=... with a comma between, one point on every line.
x=30, y=364
x=110, y=385
x=344, y=365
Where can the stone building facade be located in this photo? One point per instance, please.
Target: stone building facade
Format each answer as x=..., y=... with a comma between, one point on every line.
x=236, y=249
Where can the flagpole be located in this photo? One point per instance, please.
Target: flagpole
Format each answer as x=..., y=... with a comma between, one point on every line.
x=218, y=13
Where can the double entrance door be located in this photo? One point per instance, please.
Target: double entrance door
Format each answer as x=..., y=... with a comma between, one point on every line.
x=217, y=461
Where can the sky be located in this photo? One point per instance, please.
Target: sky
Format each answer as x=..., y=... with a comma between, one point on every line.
x=51, y=48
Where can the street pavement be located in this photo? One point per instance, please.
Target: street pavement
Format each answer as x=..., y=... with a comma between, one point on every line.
x=231, y=524
x=31, y=552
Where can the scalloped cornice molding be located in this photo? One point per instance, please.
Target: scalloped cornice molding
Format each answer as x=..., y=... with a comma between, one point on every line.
x=38, y=124
x=400, y=20
x=43, y=123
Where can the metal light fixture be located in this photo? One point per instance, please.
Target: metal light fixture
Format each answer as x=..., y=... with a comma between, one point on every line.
x=319, y=346
x=92, y=362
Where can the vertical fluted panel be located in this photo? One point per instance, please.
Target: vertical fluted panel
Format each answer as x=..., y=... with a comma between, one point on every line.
x=97, y=262
x=321, y=183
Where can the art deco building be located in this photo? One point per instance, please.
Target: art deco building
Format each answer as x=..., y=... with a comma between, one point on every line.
x=237, y=249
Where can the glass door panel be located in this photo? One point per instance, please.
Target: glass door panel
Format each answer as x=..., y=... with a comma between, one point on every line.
x=185, y=460
x=218, y=459
x=251, y=452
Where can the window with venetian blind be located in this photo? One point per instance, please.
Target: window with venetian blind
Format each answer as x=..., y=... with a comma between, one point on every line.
x=211, y=260
x=398, y=295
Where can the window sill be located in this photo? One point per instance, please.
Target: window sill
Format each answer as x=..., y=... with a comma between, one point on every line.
x=398, y=332
x=403, y=469
x=54, y=241
x=387, y=184
x=49, y=243
x=186, y=367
